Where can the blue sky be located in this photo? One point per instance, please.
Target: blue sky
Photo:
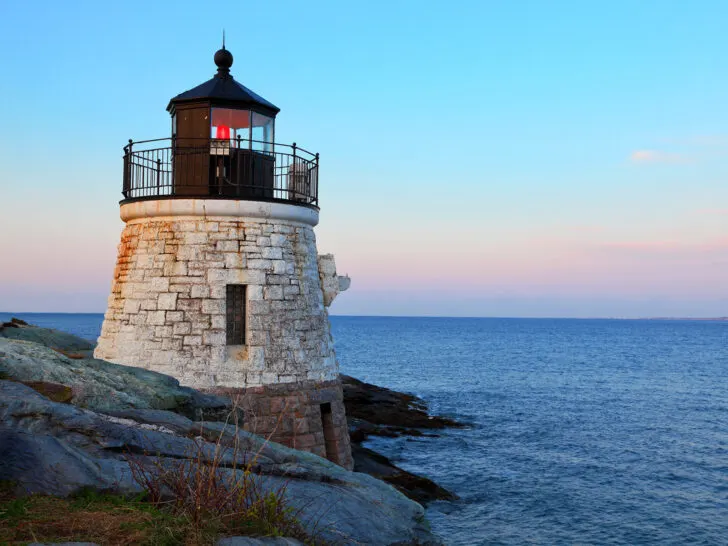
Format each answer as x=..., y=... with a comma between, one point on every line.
x=478, y=158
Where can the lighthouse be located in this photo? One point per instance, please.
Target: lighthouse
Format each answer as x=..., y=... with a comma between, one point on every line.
x=218, y=281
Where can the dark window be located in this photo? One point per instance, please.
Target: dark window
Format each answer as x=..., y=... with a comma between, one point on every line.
x=235, y=307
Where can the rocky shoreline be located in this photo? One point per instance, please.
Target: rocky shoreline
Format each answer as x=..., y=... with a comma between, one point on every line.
x=377, y=411
x=67, y=422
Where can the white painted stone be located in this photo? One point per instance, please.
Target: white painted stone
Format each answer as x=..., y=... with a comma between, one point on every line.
x=331, y=283
x=217, y=321
x=200, y=291
x=260, y=264
x=214, y=338
x=160, y=284
x=195, y=238
x=222, y=209
x=192, y=340
x=131, y=307
x=233, y=260
x=182, y=328
x=273, y=293
x=227, y=246
x=213, y=307
x=167, y=301
x=167, y=308
x=255, y=292
x=155, y=317
x=344, y=283
x=272, y=253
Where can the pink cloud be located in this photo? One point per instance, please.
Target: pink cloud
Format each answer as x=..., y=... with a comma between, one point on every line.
x=643, y=245
x=712, y=212
x=655, y=156
x=668, y=246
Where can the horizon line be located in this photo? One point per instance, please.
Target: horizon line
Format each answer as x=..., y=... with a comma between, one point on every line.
x=689, y=318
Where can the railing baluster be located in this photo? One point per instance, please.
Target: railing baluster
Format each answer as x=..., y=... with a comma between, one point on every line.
x=233, y=171
x=293, y=183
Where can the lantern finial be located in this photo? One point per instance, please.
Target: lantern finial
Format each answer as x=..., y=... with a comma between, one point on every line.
x=223, y=59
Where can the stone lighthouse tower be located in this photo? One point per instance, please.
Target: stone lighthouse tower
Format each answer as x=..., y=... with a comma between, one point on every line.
x=218, y=281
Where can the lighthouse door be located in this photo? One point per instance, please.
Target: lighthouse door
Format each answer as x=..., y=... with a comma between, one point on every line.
x=192, y=150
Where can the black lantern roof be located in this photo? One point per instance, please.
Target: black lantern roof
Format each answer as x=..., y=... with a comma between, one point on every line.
x=223, y=90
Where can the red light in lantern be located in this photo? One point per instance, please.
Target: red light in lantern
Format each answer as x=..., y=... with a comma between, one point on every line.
x=222, y=132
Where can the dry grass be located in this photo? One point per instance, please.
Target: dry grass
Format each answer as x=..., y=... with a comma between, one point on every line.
x=216, y=490
x=74, y=356
x=188, y=502
x=103, y=519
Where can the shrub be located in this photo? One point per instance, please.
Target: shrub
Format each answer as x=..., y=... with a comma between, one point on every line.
x=217, y=492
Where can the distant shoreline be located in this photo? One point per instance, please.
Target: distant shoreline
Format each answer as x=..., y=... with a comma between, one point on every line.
x=702, y=319
x=685, y=318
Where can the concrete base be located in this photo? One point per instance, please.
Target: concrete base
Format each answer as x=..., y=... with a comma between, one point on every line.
x=225, y=208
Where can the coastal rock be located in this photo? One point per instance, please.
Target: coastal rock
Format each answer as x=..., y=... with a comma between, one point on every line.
x=377, y=411
x=418, y=488
x=388, y=408
x=141, y=397
x=58, y=449
x=264, y=541
x=48, y=337
x=97, y=384
x=53, y=391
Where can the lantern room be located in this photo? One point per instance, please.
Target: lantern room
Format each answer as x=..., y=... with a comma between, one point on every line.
x=222, y=146
x=223, y=109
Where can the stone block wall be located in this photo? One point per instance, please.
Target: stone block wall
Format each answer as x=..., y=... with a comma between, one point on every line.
x=292, y=414
x=166, y=311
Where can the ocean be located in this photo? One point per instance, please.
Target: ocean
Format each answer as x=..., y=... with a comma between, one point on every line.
x=581, y=431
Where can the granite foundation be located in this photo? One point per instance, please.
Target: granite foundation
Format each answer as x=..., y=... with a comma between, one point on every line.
x=309, y=416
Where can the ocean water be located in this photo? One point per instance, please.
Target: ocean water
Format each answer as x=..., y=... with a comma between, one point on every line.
x=581, y=431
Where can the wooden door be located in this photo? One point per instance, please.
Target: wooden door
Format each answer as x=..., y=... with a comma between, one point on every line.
x=192, y=150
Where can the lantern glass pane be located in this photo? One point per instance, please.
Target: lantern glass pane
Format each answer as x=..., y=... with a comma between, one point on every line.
x=229, y=123
x=262, y=132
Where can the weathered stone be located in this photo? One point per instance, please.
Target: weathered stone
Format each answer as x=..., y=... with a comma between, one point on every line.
x=167, y=301
x=184, y=287
x=200, y=291
x=102, y=385
x=295, y=414
x=57, y=449
x=331, y=284
x=55, y=339
x=182, y=328
x=155, y=317
x=273, y=293
x=192, y=340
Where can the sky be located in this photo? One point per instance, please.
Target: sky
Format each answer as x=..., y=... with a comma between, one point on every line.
x=487, y=158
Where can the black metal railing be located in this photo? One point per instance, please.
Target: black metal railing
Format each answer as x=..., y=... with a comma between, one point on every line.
x=220, y=169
